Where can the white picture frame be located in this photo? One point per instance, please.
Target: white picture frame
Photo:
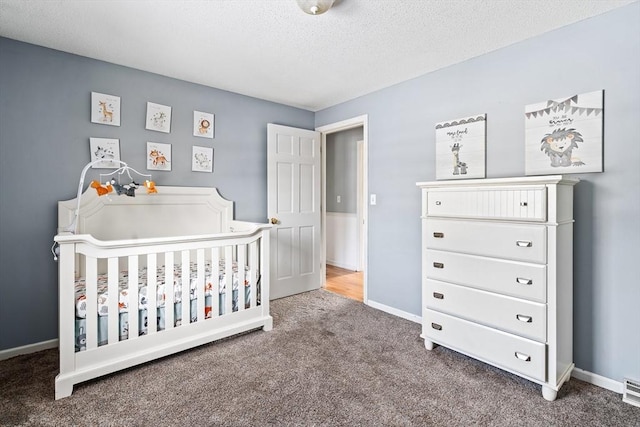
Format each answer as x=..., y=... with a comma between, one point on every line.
x=107, y=150
x=202, y=159
x=565, y=135
x=105, y=109
x=461, y=148
x=203, y=124
x=158, y=156
x=158, y=117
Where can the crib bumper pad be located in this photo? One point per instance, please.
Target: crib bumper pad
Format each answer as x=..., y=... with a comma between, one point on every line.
x=123, y=286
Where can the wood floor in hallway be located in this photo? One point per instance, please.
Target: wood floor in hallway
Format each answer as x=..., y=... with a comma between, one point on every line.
x=345, y=282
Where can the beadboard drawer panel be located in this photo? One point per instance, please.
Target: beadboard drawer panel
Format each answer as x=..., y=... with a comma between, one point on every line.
x=516, y=203
x=490, y=345
x=524, y=318
x=519, y=242
x=514, y=278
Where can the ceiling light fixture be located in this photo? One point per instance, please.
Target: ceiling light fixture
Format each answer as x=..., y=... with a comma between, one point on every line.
x=315, y=7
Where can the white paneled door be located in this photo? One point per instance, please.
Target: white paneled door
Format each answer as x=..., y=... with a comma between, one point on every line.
x=293, y=194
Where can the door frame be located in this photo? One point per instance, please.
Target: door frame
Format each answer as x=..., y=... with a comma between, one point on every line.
x=364, y=211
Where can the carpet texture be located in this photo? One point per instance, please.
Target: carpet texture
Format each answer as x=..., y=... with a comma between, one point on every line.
x=329, y=361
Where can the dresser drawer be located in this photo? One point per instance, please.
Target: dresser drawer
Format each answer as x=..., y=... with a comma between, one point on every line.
x=520, y=242
x=499, y=348
x=518, y=279
x=524, y=318
x=516, y=203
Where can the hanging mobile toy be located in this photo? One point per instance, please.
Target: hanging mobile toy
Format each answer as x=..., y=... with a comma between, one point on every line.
x=127, y=189
x=101, y=189
x=151, y=187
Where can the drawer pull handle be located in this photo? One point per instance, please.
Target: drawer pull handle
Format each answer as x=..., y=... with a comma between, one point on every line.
x=438, y=235
x=524, y=204
x=523, y=318
x=523, y=356
x=438, y=265
x=438, y=202
x=436, y=326
x=524, y=243
x=524, y=281
x=438, y=295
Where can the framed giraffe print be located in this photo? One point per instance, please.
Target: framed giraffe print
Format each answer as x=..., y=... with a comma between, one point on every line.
x=461, y=148
x=105, y=109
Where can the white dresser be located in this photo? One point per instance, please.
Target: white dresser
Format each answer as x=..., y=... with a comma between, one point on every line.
x=497, y=280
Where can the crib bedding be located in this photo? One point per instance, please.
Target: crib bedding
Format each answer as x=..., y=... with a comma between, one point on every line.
x=124, y=303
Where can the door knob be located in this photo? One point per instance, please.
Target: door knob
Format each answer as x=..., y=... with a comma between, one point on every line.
x=273, y=220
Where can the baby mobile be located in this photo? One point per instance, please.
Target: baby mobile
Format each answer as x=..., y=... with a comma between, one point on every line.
x=108, y=183
x=120, y=189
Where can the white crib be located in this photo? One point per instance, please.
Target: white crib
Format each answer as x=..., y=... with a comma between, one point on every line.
x=182, y=229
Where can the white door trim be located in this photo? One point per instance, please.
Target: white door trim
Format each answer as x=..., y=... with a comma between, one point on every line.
x=332, y=128
x=362, y=172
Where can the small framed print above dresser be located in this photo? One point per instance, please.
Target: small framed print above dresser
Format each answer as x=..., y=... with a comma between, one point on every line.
x=497, y=273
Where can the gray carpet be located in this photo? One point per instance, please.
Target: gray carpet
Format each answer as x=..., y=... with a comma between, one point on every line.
x=329, y=361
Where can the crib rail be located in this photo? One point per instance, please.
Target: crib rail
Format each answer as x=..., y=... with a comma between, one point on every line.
x=246, y=248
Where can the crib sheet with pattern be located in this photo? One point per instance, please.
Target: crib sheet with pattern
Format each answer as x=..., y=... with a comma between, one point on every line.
x=124, y=303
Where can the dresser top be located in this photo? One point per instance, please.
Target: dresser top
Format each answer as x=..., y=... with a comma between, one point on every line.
x=523, y=180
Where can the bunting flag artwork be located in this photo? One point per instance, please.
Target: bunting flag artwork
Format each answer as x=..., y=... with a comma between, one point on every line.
x=564, y=135
x=460, y=148
x=569, y=105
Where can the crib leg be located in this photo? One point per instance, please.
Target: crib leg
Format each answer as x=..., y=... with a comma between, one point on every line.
x=268, y=325
x=64, y=388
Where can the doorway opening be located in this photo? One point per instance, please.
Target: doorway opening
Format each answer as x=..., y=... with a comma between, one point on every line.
x=344, y=207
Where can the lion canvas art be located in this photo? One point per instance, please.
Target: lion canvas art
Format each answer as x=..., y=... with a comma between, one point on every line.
x=564, y=135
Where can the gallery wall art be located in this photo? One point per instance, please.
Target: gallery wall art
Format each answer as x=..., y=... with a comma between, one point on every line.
x=158, y=117
x=564, y=135
x=203, y=124
x=107, y=150
x=158, y=156
x=105, y=109
x=202, y=159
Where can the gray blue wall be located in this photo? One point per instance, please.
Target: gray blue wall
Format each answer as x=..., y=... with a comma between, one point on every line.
x=342, y=167
x=44, y=144
x=599, y=53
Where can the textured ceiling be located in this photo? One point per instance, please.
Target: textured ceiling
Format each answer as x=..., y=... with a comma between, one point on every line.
x=270, y=49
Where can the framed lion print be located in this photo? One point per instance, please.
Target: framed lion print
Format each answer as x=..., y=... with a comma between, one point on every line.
x=564, y=135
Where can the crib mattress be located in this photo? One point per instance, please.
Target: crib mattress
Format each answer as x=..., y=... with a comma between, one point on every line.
x=161, y=286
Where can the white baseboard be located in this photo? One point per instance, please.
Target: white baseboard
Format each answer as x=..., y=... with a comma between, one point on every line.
x=342, y=265
x=395, y=311
x=27, y=349
x=595, y=379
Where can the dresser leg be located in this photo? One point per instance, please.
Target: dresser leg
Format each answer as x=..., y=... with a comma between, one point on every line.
x=428, y=344
x=549, y=393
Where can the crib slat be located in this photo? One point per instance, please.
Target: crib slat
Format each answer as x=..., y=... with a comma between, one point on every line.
x=242, y=255
x=133, y=297
x=200, y=279
x=91, y=292
x=186, y=283
x=114, y=297
x=215, y=282
x=152, y=274
x=253, y=269
x=168, y=290
x=228, y=278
